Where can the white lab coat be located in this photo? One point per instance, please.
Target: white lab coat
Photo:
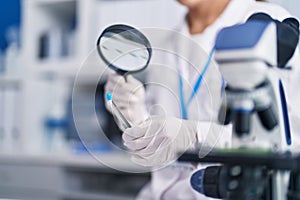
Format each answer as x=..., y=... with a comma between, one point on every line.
x=163, y=90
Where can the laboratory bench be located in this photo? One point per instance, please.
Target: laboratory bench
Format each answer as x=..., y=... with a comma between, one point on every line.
x=70, y=177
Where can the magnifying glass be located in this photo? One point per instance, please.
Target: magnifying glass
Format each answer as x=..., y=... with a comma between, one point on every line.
x=124, y=49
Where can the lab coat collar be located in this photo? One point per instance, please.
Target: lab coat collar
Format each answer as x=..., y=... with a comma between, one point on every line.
x=233, y=14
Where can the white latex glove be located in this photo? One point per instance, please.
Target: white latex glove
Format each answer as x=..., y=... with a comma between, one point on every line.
x=158, y=140
x=129, y=96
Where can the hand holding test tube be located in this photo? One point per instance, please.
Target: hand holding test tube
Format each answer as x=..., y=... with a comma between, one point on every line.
x=121, y=121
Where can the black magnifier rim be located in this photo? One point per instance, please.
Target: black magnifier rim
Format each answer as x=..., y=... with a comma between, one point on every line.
x=136, y=36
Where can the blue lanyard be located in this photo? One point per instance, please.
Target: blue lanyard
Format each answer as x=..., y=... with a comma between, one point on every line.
x=197, y=85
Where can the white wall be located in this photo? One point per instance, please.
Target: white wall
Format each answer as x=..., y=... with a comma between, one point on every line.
x=144, y=13
x=140, y=14
x=293, y=6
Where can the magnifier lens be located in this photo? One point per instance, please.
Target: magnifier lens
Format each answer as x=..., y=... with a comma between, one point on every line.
x=124, y=49
x=124, y=54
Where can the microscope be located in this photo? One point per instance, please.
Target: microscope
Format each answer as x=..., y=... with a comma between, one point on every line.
x=259, y=165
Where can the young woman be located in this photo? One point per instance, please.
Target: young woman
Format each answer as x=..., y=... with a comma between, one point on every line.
x=182, y=126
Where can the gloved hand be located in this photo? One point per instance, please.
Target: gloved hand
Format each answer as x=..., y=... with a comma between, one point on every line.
x=158, y=140
x=129, y=96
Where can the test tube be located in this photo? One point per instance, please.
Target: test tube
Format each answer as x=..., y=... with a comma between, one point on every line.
x=121, y=121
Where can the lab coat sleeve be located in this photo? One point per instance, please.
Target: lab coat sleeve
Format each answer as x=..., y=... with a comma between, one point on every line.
x=213, y=135
x=172, y=182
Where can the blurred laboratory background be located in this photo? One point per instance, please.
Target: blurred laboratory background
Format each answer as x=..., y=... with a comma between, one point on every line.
x=43, y=46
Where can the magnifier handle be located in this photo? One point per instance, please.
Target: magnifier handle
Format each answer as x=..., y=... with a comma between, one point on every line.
x=125, y=77
x=122, y=73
